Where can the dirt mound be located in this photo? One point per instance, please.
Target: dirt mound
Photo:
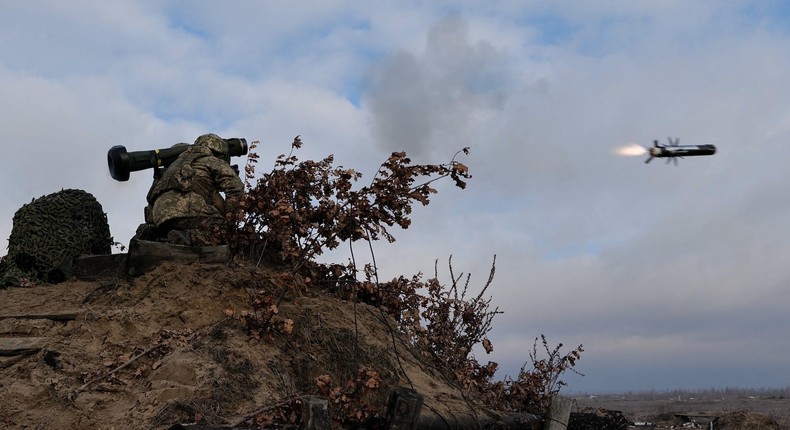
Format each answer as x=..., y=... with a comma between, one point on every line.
x=172, y=346
x=743, y=420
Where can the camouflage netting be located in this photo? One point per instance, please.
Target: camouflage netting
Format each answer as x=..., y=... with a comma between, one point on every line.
x=49, y=232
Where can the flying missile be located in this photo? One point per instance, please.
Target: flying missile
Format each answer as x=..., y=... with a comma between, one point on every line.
x=675, y=150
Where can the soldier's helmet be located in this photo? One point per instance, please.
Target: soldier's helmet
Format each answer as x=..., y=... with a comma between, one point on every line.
x=216, y=144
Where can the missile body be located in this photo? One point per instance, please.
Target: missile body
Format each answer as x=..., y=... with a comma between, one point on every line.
x=681, y=151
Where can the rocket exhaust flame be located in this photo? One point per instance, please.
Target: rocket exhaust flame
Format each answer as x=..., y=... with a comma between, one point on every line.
x=631, y=150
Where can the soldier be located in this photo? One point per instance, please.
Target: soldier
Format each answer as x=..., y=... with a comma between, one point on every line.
x=185, y=206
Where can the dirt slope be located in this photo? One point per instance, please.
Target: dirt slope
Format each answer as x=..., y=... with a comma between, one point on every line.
x=199, y=362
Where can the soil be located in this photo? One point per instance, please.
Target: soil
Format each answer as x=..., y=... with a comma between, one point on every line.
x=190, y=357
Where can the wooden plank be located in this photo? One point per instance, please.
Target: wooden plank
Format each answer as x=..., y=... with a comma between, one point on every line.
x=92, y=267
x=145, y=255
x=403, y=409
x=21, y=345
x=559, y=413
x=315, y=414
x=56, y=316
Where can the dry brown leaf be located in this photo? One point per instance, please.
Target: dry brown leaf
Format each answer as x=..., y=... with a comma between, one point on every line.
x=372, y=383
x=288, y=326
x=487, y=345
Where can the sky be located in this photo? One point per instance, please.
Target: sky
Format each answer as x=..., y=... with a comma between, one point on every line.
x=671, y=277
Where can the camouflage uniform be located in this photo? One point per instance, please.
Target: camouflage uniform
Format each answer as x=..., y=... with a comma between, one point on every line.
x=185, y=205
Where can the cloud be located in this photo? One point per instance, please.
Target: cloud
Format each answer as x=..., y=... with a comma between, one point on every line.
x=634, y=261
x=433, y=98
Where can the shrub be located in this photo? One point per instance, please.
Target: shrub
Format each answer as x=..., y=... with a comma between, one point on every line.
x=302, y=208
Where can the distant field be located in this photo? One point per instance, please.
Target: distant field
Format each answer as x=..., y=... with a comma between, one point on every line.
x=657, y=407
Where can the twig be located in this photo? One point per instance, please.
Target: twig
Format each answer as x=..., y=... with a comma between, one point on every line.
x=356, y=323
x=394, y=344
x=10, y=362
x=73, y=394
x=284, y=401
x=100, y=290
x=438, y=414
x=262, y=252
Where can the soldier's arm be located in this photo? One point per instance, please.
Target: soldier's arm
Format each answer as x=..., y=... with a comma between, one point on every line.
x=229, y=183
